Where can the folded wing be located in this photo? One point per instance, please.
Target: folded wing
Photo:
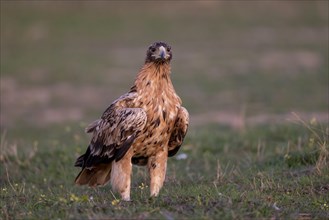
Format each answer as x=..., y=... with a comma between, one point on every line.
x=179, y=132
x=113, y=135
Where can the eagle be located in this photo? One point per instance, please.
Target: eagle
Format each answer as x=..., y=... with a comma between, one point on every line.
x=142, y=127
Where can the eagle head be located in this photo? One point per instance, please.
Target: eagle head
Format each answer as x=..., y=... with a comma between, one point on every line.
x=158, y=52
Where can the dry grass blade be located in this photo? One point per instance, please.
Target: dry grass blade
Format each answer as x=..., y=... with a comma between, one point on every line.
x=320, y=140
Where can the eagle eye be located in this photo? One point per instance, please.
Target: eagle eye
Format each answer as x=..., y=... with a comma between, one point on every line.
x=152, y=49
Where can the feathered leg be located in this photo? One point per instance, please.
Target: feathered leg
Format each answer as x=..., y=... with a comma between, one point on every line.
x=157, y=166
x=121, y=177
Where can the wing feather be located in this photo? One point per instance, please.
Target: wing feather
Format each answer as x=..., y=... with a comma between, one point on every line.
x=180, y=130
x=113, y=133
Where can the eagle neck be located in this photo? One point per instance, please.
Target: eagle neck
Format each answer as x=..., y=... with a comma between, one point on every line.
x=154, y=77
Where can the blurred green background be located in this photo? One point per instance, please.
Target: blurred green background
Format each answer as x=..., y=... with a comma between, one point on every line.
x=240, y=67
x=235, y=63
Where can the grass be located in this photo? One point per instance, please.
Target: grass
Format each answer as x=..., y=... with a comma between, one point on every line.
x=240, y=70
x=261, y=173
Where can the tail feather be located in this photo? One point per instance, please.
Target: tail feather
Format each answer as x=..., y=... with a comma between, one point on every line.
x=95, y=176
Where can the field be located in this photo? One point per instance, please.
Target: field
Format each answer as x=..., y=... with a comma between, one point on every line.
x=253, y=75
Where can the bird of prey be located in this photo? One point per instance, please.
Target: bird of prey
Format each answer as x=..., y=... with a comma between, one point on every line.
x=144, y=127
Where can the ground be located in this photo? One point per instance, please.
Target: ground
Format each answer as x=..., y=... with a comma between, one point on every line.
x=254, y=78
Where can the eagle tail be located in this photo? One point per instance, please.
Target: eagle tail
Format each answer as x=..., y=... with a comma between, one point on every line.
x=95, y=176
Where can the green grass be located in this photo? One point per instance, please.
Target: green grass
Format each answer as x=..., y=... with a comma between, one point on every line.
x=240, y=69
x=259, y=173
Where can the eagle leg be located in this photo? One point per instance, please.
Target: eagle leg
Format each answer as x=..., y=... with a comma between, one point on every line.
x=157, y=166
x=121, y=176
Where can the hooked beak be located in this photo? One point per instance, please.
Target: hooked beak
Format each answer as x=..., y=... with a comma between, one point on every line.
x=162, y=52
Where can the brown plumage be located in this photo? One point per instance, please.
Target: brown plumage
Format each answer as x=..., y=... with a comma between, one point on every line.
x=142, y=127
